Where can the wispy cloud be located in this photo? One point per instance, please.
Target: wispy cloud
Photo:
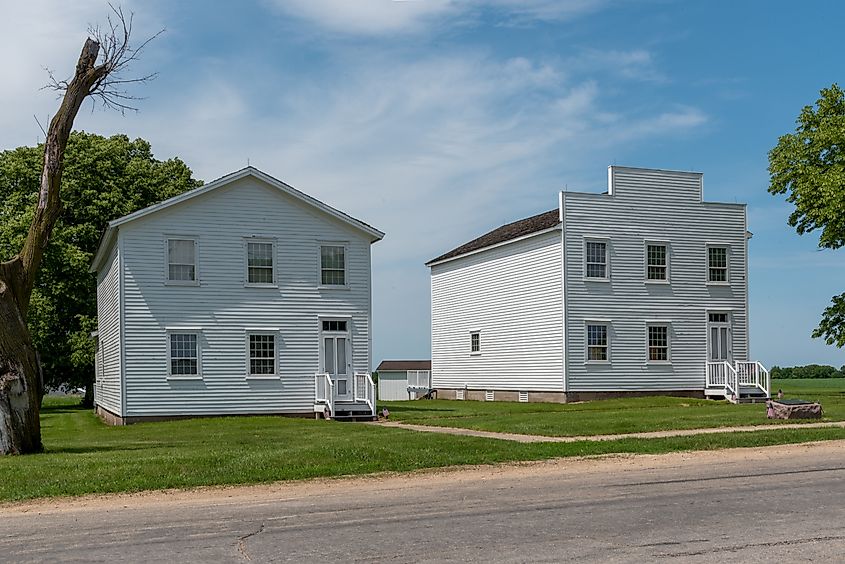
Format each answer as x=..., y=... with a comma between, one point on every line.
x=390, y=17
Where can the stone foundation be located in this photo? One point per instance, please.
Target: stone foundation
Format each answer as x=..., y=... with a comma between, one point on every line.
x=807, y=410
x=562, y=397
x=110, y=418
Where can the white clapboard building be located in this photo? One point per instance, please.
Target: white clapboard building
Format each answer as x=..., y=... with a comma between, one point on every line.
x=641, y=289
x=243, y=296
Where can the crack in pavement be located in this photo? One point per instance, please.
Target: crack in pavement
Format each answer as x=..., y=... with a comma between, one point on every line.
x=738, y=547
x=242, y=542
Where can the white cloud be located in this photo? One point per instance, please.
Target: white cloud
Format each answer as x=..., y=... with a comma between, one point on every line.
x=388, y=17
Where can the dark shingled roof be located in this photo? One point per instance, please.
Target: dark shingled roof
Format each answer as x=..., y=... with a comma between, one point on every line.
x=533, y=224
x=388, y=365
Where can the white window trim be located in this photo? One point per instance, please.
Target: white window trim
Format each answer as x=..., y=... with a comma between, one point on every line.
x=668, y=327
x=184, y=331
x=654, y=242
x=262, y=331
x=727, y=248
x=472, y=352
x=607, y=325
x=258, y=239
x=606, y=241
x=167, y=280
x=345, y=285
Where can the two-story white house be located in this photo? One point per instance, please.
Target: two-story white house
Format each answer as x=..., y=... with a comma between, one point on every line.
x=243, y=296
x=640, y=290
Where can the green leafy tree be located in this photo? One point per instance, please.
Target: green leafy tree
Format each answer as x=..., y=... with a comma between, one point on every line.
x=809, y=167
x=103, y=179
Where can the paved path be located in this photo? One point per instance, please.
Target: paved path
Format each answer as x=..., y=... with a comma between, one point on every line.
x=647, y=435
x=778, y=504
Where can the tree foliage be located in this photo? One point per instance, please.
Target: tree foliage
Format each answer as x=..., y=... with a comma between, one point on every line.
x=813, y=371
x=809, y=167
x=103, y=179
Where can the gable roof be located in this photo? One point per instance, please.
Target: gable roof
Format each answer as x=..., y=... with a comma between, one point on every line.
x=508, y=232
x=388, y=365
x=111, y=230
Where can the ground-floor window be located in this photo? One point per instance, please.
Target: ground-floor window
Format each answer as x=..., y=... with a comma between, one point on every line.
x=658, y=343
x=184, y=354
x=597, y=342
x=262, y=354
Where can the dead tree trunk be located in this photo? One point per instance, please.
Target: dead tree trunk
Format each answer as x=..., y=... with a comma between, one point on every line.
x=20, y=378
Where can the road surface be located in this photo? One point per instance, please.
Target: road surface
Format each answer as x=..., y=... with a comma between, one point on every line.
x=782, y=503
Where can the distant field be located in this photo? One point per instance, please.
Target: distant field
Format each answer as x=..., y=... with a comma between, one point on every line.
x=613, y=416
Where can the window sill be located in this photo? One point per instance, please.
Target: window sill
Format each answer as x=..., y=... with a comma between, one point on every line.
x=658, y=363
x=719, y=283
x=171, y=377
x=598, y=362
x=658, y=282
x=475, y=354
x=248, y=285
x=180, y=283
x=591, y=279
x=262, y=377
x=334, y=287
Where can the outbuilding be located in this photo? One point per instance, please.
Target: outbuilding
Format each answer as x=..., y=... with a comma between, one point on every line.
x=403, y=379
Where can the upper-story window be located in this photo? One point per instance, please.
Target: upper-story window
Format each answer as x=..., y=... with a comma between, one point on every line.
x=717, y=264
x=595, y=263
x=182, y=260
x=260, y=262
x=332, y=265
x=657, y=262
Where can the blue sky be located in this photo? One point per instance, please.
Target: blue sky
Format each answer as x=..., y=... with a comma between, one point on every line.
x=438, y=120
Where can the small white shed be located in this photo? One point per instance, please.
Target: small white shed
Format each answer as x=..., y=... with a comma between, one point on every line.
x=403, y=379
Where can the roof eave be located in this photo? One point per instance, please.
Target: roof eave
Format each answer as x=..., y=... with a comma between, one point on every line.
x=435, y=262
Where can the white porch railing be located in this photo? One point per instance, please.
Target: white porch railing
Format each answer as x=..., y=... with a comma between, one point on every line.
x=364, y=389
x=324, y=391
x=733, y=377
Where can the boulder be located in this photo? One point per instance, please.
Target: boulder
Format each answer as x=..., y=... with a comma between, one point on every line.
x=796, y=410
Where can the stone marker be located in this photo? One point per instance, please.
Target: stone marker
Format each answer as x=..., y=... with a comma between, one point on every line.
x=796, y=409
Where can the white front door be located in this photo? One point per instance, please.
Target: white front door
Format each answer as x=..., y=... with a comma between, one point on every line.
x=719, y=337
x=336, y=358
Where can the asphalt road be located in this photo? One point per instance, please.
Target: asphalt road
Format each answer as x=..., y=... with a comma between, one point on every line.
x=773, y=504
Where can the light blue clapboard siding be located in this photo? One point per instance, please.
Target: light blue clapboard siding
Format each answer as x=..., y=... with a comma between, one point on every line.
x=657, y=206
x=224, y=309
x=512, y=295
x=108, y=321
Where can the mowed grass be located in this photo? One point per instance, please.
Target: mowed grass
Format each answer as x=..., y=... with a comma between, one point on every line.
x=631, y=415
x=84, y=456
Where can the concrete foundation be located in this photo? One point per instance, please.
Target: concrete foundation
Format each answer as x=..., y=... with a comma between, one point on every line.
x=110, y=418
x=563, y=397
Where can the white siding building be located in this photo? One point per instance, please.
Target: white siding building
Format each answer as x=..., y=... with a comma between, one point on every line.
x=244, y=296
x=642, y=289
x=403, y=379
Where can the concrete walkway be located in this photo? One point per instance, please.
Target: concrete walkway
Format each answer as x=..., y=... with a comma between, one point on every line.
x=647, y=435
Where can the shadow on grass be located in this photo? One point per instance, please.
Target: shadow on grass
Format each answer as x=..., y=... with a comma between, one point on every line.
x=92, y=449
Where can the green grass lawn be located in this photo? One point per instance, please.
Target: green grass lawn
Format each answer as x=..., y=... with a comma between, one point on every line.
x=614, y=416
x=85, y=456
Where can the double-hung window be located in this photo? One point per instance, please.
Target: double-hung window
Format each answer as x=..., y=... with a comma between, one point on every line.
x=717, y=264
x=332, y=265
x=658, y=342
x=262, y=354
x=595, y=259
x=657, y=262
x=182, y=261
x=184, y=355
x=260, y=263
x=475, y=342
x=597, y=342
